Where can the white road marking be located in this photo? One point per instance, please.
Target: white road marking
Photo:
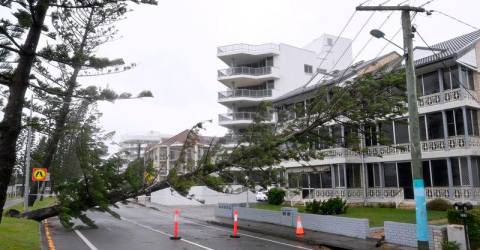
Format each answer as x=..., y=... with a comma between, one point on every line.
x=85, y=240
x=247, y=235
x=166, y=234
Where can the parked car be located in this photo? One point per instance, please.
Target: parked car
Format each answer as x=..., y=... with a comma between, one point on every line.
x=261, y=196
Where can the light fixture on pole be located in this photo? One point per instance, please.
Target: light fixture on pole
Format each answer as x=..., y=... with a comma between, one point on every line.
x=379, y=34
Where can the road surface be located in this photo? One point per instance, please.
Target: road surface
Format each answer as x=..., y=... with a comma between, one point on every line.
x=12, y=202
x=144, y=228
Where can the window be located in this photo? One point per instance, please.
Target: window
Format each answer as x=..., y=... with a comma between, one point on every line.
x=426, y=173
x=439, y=173
x=419, y=86
x=456, y=172
x=315, y=180
x=370, y=135
x=308, y=68
x=351, y=135
x=464, y=171
x=386, y=135
x=454, y=122
x=270, y=84
x=430, y=83
x=475, y=172
x=472, y=122
x=269, y=61
x=423, y=131
x=329, y=41
x=450, y=78
x=337, y=135
x=373, y=172
x=401, y=131
x=293, y=180
x=390, y=174
x=353, y=176
x=326, y=178
x=304, y=180
x=467, y=77
x=435, y=125
x=340, y=174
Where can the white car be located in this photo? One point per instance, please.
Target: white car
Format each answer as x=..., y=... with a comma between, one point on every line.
x=261, y=196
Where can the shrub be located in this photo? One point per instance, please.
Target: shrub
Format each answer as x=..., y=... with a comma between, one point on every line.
x=329, y=207
x=472, y=221
x=333, y=206
x=439, y=205
x=450, y=245
x=276, y=196
x=313, y=207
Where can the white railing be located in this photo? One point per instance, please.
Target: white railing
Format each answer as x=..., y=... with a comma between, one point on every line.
x=458, y=193
x=241, y=116
x=242, y=47
x=245, y=93
x=338, y=152
x=454, y=142
x=446, y=96
x=245, y=71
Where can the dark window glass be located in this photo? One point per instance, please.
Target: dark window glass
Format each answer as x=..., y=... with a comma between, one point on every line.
x=293, y=180
x=308, y=68
x=326, y=177
x=455, y=171
x=430, y=83
x=390, y=174
x=464, y=168
x=426, y=173
x=337, y=135
x=386, y=135
x=464, y=74
x=459, y=121
x=435, y=125
x=353, y=176
x=304, y=181
x=455, y=77
x=423, y=132
x=401, y=131
x=471, y=82
x=371, y=182
x=450, y=122
x=314, y=180
x=469, y=122
x=447, y=81
x=351, y=135
x=377, y=174
x=439, y=173
x=370, y=135
x=472, y=120
x=419, y=86
x=340, y=182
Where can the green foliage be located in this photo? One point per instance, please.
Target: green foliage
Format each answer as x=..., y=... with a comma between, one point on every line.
x=276, y=196
x=472, y=221
x=439, y=204
x=134, y=174
x=331, y=206
x=450, y=245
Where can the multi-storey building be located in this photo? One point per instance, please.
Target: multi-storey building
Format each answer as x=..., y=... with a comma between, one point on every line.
x=448, y=81
x=263, y=72
x=132, y=146
x=164, y=155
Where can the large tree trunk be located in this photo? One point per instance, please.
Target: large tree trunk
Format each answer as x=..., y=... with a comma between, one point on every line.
x=11, y=124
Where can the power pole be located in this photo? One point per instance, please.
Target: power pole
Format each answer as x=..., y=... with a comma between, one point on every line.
x=414, y=128
x=26, y=187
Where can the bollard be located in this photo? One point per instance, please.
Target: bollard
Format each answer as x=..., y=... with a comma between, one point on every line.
x=235, y=224
x=175, y=226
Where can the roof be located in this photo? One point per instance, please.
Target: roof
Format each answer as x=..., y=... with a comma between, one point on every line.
x=181, y=137
x=338, y=76
x=450, y=48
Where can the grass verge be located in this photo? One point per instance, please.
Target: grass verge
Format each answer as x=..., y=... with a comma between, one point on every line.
x=19, y=234
x=376, y=216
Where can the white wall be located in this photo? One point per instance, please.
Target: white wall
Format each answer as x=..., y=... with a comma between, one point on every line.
x=321, y=47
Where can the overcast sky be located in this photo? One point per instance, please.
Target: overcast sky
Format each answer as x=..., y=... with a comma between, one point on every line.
x=174, y=46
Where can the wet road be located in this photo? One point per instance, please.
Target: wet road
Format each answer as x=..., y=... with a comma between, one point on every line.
x=143, y=228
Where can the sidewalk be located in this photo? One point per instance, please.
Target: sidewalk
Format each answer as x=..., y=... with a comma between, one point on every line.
x=12, y=202
x=206, y=214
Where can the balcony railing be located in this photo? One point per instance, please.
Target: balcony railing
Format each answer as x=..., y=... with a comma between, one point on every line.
x=241, y=116
x=245, y=93
x=454, y=142
x=247, y=48
x=458, y=193
x=445, y=97
x=245, y=71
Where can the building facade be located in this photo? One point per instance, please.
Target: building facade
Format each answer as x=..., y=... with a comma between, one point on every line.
x=132, y=146
x=263, y=72
x=448, y=86
x=164, y=156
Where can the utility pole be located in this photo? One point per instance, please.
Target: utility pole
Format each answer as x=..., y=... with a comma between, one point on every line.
x=414, y=129
x=26, y=187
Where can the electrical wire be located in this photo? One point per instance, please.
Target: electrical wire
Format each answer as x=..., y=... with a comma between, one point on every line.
x=456, y=19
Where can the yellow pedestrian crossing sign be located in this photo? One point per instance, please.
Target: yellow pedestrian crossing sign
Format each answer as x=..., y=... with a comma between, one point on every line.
x=39, y=174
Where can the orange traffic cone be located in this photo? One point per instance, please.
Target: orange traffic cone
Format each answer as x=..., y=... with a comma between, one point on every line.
x=235, y=224
x=299, y=232
x=175, y=226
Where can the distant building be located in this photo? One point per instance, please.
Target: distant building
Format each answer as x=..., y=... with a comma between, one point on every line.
x=263, y=72
x=164, y=155
x=132, y=146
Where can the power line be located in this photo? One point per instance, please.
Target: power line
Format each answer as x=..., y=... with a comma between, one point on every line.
x=456, y=19
x=445, y=65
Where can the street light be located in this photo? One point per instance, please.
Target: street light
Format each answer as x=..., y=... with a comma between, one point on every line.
x=379, y=34
x=463, y=208
x=246, y=183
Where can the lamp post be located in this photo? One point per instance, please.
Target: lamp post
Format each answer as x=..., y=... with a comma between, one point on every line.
x=246, y=184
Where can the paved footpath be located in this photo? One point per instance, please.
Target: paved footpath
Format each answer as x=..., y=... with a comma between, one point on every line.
x=145, y=228
x=12, y=202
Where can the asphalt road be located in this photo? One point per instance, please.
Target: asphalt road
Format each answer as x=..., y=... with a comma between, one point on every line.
x=12, y=202
x=143, y=228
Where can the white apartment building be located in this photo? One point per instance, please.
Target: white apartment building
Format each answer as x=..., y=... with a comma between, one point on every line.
x=448, y=88
x=132, y=146
x=257, y=73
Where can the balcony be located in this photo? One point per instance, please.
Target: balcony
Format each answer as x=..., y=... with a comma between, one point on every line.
x=247, y=76
x=240, y=118
x=241, y=48
x=446, y=97
x=244, y=94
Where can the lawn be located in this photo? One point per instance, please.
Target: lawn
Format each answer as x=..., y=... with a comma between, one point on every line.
x=21, y=233
x=377, y=216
